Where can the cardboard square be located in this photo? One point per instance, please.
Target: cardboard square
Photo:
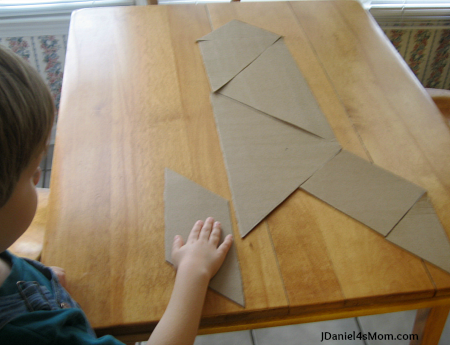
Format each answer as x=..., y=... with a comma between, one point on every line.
x=421, y=233
x=370, y=194
x=274, y=85
x=229, y=49
x=185, y=203
x=266, y=159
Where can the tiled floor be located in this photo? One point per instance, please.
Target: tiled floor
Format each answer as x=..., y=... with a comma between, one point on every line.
x=322, y=333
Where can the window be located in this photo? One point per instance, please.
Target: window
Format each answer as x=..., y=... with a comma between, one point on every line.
x=21, y=8
x=44, y=17
x=409, y=10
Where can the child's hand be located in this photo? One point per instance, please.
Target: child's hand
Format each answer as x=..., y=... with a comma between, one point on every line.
x=201, y=253
x=61, y=274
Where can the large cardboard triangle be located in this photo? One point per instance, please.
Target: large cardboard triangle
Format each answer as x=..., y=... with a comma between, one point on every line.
x=266, y=159
x=274, y=85
x=185, y=203
x=366, y=192
x=421, y=233
x=229, y=49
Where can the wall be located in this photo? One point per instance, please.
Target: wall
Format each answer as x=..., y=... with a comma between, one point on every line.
x=425, y=48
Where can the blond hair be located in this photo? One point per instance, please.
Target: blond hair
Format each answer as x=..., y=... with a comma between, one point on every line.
x=26, y=118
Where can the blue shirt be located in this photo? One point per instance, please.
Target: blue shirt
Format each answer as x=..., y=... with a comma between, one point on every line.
x=36, y=309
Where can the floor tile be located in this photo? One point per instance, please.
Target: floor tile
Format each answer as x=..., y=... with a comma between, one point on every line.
x=385, y=325
x=445, y=337
x=310, y=333
x=230, y=338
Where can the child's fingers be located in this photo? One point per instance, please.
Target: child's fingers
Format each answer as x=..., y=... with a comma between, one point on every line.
x=61, y=274
x=206, y=229
x=193, y=235
x=225, y=246
x=177, y=243
x=215, y=234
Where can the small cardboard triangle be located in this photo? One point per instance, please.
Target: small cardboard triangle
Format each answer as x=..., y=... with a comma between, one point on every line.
x=229, y=49
x=366, y=192
x=185, y=203
x=267, y=159
x=421, y=233
x=274, y=85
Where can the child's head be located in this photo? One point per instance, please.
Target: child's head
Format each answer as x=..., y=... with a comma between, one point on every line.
x=26, y=118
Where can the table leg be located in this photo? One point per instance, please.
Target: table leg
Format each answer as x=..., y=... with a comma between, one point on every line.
x=429, y=324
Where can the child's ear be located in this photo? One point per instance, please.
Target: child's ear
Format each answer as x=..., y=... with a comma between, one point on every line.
x=37, y=176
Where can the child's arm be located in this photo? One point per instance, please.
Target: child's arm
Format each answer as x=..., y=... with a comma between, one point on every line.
x=196, y=262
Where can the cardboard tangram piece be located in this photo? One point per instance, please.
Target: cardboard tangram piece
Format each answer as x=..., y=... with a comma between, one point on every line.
x=185, y=203
x=274, y=85
x=220, y=46
x=421, y=233
x=266, y=159
x=370, y=194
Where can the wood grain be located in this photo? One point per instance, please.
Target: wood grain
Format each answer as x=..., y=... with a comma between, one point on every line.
x=442, y=100
x=365, y=69
x=107, y=211
x=145, y=107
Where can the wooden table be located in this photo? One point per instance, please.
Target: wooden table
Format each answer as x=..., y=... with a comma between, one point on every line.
x=136, y=100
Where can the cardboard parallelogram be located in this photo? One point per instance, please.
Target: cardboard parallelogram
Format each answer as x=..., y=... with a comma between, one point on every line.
x=421, y=233
x=365, y=192
x=229, y=49
x=266, y=159
x=185, y=203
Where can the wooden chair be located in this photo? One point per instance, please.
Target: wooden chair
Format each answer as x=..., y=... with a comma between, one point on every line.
x=29, y=245
x=442, y=99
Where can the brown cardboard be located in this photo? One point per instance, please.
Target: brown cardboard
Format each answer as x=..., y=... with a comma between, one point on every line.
x=421, y=233
x=185, y=203
x=266, y=159
x=229, y=49
x=274, y=85
x=370, y=194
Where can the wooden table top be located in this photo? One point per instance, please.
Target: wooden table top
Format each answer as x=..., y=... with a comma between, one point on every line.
x=136, y=100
